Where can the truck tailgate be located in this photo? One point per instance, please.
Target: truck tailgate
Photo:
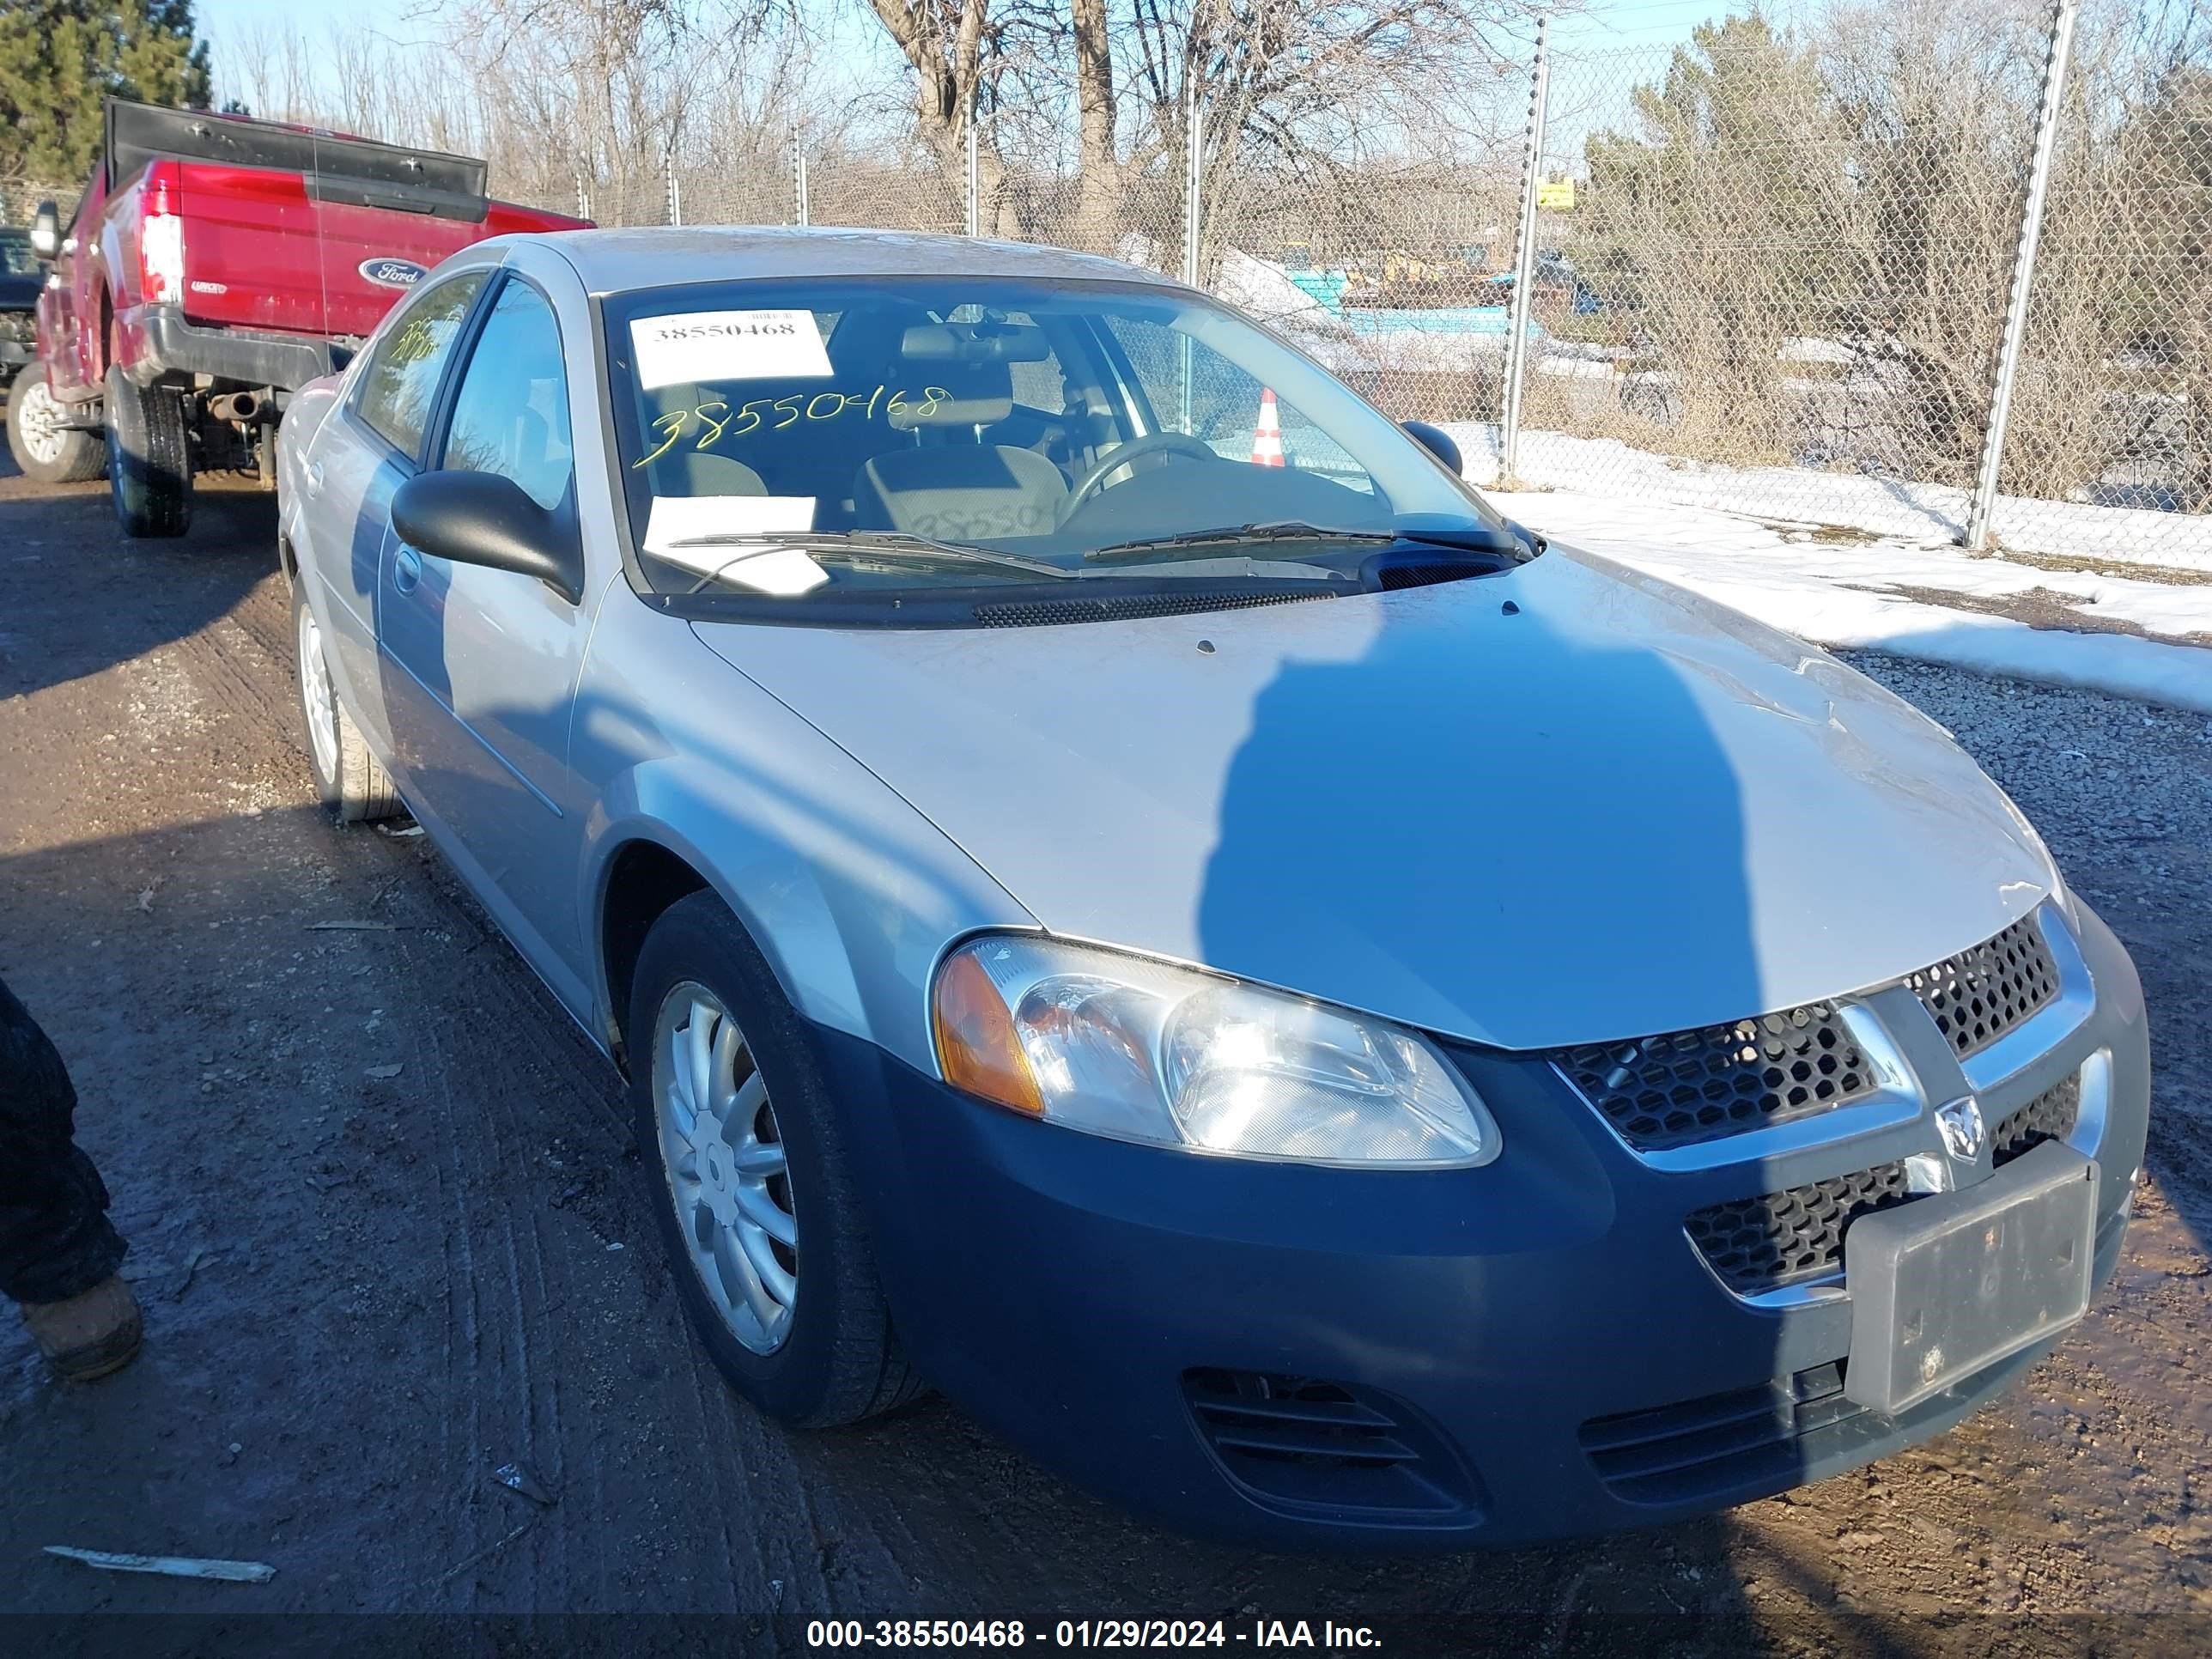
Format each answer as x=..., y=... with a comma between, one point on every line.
x=262, y=252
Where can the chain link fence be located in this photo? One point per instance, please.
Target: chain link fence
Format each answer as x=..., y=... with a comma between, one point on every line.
x=1767, y=275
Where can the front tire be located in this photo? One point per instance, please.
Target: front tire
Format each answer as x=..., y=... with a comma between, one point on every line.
x=45, y=451
x=751, y=1189
x=150, y=460
x=351, y=782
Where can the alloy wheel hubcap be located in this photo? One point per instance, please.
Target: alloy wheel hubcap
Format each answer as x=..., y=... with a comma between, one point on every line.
x=728, y=1176
x=315, y=695
x=39, y=422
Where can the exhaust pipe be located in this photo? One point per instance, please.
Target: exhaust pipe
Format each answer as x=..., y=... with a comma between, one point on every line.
x=244, y=407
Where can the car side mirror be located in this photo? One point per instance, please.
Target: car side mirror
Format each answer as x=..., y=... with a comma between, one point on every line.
x=46, y=231
x=1438, y=442
x=483, y=518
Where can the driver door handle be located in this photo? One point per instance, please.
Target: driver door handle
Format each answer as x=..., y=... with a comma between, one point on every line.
x=406, y=569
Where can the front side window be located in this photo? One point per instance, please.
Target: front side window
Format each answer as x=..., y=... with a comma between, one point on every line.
x=400, y=379
x=511, y=415
x=896, y=438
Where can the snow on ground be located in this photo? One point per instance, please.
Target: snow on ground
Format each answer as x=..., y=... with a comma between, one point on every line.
x=1842, y=593
x=1884, y=507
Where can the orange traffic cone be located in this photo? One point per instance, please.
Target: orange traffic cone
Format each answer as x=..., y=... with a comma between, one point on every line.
x=1267, y=434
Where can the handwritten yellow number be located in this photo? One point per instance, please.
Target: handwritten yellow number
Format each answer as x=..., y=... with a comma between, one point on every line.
x=746, y=414
x=707, y=440
x=672, y=424
x=790, y=406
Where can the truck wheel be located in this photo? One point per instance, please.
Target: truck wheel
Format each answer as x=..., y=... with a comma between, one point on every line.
x=150, y=462
x=49, y=453
x=352, y=782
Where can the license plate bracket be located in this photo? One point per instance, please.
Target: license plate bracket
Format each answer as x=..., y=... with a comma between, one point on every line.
x=1955, y=1282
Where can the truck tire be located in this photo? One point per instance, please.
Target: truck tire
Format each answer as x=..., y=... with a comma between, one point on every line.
x=49, y=454
x=149, y=459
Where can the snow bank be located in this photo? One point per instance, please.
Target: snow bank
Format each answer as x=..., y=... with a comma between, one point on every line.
x=1847, y=594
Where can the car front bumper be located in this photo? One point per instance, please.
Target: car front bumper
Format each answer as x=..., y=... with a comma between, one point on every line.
x=1291, y=1355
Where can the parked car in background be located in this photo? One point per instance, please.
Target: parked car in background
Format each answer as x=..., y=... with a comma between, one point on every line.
x=216, y=263
x=1124, y=889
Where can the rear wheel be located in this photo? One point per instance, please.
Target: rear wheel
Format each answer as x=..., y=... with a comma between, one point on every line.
x=43, y=448
x=352, y=782
x=150, y=460
x=753, y=1199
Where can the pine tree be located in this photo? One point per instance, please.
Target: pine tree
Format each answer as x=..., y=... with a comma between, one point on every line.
x=61, y=59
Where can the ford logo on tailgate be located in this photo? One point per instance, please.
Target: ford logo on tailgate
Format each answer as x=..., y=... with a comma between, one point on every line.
x=393, y=273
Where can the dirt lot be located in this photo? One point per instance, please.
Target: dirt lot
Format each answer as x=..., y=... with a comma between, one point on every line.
x=366, y=1287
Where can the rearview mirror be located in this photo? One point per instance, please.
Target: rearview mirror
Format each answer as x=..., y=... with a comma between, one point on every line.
x=46, y=231
x=481, y=518
x=1438, y=442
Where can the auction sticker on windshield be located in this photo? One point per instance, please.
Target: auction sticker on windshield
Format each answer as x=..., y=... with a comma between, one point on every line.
x=728, y=345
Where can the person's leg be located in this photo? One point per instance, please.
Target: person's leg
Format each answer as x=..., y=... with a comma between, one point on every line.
x=59, y=1252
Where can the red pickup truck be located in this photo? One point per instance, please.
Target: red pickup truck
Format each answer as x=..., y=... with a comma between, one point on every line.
x=215, y=263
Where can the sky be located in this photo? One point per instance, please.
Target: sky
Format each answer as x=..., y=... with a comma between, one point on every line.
x=1604, y=25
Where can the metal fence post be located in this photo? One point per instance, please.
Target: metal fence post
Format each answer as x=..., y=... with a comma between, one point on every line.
x=583, y=197
x=1193, y=214
x=2063, y=15
x=1524, y=264
x=675, y=195
x=974, y=176
x=799, y=182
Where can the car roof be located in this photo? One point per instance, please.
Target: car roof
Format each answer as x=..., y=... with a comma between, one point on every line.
x=620, y=261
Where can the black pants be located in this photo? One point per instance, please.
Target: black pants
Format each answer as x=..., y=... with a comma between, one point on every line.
x=55, y=1239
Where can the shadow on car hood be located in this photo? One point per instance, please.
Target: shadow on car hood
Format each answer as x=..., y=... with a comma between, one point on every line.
x=1566, y=804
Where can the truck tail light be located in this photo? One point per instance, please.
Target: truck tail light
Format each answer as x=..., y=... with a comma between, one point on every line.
x=161, y=242
x=162, y=258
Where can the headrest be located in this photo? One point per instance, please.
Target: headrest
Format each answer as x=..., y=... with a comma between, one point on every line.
x=981, y=394
x=974, y=342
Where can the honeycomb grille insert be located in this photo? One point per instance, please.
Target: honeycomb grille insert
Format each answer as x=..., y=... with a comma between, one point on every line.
x=1690, y=1086
x=1978, y=995
x=1763, y=1243
x=2050, y=1117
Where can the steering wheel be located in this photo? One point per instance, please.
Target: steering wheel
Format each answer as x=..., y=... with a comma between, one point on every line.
x=1155, y=443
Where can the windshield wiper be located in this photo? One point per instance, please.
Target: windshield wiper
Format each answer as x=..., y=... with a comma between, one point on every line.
x=1471, y=539
x=1232, y=535
x=891, y=543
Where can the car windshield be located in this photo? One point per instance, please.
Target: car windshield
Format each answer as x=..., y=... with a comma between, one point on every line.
x=856, y=438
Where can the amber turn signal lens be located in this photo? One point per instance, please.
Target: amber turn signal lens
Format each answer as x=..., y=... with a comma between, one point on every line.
x=977, y=1047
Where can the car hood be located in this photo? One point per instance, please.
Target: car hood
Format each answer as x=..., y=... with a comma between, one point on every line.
x=1570, y=803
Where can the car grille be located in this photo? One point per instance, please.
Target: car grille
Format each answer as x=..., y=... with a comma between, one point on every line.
x=1300, y=1440
x=1690, y=1087
x=1678, y=1453
x=2050, y=1117
x=1726, y=1446
x=1978, y=995
x=1763, y=1244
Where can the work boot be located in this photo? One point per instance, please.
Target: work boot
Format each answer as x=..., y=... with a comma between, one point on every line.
x=89, y=1335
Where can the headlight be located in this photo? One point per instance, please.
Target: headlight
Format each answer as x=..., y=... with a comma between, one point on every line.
x=1138, y=1050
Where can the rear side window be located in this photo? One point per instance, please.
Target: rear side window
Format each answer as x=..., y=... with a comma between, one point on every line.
x=400, y=379
x=511, y=415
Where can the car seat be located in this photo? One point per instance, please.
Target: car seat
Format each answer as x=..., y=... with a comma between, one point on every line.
x=951, y=484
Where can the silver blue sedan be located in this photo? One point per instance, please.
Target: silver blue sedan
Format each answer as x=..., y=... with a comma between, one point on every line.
x=1123, y=889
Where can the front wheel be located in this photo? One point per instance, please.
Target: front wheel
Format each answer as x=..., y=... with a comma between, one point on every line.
x=752, y=1196
x=45, y=448
x=149, y=461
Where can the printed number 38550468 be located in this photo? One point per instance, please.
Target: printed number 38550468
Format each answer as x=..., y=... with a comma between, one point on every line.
x=712, y=419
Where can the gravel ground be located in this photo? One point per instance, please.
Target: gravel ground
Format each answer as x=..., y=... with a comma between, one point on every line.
x=366, y=1288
